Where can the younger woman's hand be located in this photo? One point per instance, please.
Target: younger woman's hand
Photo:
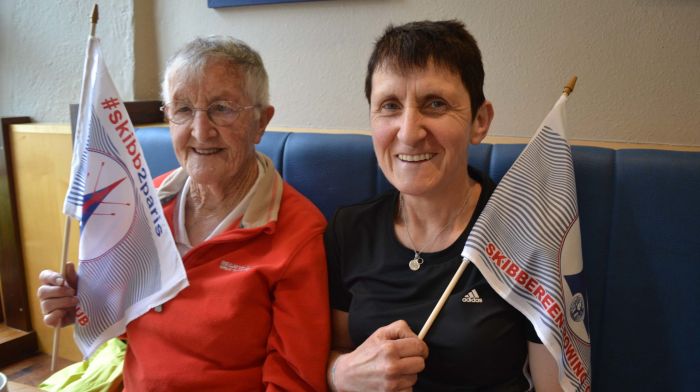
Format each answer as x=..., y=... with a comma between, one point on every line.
x=389, y=360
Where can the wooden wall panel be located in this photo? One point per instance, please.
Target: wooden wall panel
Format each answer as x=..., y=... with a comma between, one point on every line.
x=41, y=161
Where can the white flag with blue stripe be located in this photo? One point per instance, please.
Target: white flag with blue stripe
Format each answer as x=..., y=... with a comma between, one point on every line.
x=527, y=244
x=128, y=259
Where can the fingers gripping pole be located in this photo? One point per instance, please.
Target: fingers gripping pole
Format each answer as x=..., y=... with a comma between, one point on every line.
x=443, y=299
x=64, y=259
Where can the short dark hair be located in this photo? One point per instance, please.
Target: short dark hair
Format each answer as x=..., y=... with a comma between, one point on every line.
x=446, y=43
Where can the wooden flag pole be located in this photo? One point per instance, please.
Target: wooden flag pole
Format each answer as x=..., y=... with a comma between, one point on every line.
x=64, y=259
x=443, y=299
x=569, y=88
x=94, y=16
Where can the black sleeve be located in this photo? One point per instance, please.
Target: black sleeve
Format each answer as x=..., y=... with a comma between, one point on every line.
x=340, y=297
x=530, y=332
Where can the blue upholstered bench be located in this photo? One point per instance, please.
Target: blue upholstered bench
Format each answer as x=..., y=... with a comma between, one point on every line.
x=640, y=225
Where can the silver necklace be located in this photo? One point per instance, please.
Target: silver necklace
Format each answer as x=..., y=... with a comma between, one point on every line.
x=417, y=260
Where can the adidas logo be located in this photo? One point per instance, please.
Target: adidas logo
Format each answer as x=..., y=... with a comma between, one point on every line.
x=473, y=297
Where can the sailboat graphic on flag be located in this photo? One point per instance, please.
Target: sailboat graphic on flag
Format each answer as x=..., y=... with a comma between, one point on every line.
x=128, y=259
x=527, y=244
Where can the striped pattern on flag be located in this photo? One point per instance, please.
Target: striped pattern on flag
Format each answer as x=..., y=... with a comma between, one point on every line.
x=518, y=244
x=128, y=259
x=124, y=274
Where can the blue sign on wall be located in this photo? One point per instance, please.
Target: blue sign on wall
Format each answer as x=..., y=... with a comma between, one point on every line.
x=238, y=3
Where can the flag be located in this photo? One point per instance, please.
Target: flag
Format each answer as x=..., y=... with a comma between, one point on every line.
x=128, y=259
x=527, y=244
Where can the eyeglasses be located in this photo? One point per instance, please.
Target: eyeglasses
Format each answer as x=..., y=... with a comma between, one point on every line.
x=221, y=113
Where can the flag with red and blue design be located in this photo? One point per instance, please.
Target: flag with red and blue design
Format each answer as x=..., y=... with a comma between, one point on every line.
x=128, y=259
x=527, y=244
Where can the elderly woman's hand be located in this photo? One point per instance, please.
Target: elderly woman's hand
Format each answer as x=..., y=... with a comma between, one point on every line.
x=389, y=360
x=57, y=296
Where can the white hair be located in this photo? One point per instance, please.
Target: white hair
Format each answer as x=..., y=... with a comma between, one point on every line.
x=191, y=60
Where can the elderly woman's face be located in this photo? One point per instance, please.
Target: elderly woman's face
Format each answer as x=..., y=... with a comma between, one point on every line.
x=422, y=124
x=212, y=154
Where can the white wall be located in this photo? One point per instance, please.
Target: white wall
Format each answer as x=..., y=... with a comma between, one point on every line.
x=637, y=60
x=42, y=49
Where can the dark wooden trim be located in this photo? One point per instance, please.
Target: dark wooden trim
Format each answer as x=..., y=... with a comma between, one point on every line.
x=140, y=112
x=18, y=349
x=241, y=3
x=14, y=285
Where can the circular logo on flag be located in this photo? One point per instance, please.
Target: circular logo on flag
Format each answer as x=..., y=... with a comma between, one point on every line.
x=577, y=307
x=108, y=205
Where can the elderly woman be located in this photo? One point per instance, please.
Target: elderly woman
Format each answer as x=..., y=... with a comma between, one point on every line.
x=255, y=316
x=391, y=258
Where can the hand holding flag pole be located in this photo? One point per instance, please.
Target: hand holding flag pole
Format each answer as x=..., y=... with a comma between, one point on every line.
x=94, y=16
x=568, y=89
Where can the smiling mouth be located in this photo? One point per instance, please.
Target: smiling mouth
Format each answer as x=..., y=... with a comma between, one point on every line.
x=415, y=157
x=206, y=151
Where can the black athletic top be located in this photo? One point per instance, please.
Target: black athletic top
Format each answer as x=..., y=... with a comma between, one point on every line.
x=477, y=343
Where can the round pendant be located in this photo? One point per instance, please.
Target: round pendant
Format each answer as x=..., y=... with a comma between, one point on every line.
x=414, y=264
